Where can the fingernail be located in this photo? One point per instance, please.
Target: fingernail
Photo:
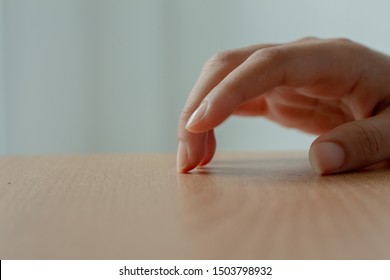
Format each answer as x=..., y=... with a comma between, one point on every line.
x=182, y=156
x=326, y=157
x=198, y=115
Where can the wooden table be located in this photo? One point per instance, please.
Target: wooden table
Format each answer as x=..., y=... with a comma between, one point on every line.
x=243, y=206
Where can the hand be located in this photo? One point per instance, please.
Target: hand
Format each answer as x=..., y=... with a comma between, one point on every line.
x=335, y=88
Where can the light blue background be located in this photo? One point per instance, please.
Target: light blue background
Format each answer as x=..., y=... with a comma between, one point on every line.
x=93, y=76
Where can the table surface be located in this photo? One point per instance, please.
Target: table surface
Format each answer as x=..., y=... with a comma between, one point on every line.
x=242, y=206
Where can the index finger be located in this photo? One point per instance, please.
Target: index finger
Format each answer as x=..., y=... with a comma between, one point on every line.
x=194, y=148
x=296, y=64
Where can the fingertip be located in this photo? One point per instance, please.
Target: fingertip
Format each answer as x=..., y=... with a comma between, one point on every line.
x=190, y=151
x=211, y=145
x=181, y=157
x=326, y=157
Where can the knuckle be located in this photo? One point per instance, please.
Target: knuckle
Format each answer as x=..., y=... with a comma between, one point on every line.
x=369, y=139
x=342, y=40
x=273, y=55
x=220, y=59
x=275, y=60
x=188, y=109
x=308, y=39
x=183, y=117
x=348, y=45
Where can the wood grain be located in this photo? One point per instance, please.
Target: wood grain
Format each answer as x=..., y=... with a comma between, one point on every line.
x=243, y=206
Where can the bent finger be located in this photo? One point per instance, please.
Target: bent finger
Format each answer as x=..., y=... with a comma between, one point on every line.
x=193, y=147
x=211, y=145
x=293, y=65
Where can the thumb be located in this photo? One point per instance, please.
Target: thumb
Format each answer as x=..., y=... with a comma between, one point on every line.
x=353, y=145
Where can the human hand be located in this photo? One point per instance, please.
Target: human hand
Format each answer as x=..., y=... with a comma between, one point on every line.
x=335, y=88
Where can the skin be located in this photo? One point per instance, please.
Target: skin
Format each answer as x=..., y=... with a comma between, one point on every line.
x=335, y=88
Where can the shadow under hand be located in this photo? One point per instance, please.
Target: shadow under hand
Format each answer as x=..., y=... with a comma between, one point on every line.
x=255, y=207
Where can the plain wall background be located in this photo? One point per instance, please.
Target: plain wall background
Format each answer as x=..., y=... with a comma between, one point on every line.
x=88, y=76
x=2, y=93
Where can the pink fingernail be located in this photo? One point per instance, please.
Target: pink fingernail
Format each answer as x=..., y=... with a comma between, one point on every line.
x=198, y=115
x=326, y=157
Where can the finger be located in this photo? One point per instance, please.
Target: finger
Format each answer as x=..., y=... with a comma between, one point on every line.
x=190, y=152
x=352, y=145
x=192, y=146
x=254, y=107
x=211, y=145
x=294, y=65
